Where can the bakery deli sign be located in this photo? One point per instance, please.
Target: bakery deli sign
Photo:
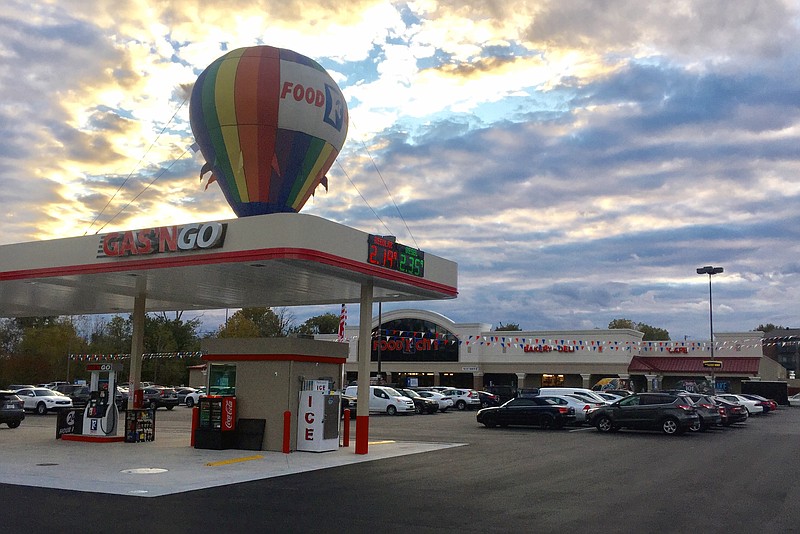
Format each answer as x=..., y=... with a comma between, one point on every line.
x=162, y=240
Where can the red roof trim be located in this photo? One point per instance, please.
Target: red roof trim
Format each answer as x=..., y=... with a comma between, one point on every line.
x=272, y=358
x=678, y=364
x=193, y=259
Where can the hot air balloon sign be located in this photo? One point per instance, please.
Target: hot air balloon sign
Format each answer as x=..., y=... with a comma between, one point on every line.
x=270, y=123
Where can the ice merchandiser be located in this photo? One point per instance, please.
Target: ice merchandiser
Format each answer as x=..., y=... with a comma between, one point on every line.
x=318, y=420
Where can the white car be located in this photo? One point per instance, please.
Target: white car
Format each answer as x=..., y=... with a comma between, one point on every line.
x=581, y=405
x=463, y=398
x=191, y=398
x=794, y=400
x=383, y=399
x=751, y=405
x=42, y=400
x=609, y=397
x=444, y=402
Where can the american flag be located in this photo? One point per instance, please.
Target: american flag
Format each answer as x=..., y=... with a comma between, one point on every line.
x=342, y=323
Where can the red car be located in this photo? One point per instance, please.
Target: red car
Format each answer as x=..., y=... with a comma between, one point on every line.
x=768, y=404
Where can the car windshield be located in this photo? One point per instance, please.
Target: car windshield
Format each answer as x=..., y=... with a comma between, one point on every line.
x=44, y=393
x=392, y=392
x=411, y=393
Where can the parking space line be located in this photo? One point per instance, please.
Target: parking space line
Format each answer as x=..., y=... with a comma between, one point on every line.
x=235, y=460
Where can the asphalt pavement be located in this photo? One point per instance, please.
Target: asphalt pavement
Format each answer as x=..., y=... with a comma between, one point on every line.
x=423, y=473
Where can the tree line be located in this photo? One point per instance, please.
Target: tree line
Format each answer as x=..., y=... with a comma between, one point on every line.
x=37, y=350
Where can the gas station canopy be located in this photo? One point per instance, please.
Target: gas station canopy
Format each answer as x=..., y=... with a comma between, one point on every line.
x=282, y=259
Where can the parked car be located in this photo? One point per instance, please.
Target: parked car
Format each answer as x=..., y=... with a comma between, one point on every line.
x=383, y=399
x=753, y=407
x=192, y=398
x=768, y=404
x=707, y=411
x=609, y=397
x=794, y=400
x=506, y=393
x=579, y=404
x=421, y=404
x=12, y=409
x=445, y=403
x=587, y=394
x=78, y=393
x=349, y=402
x=731, y=412
x=182, y=392
x=42, y=400
x=527, y=411
x=157, y=396
x=670, y=413
x=463, y=399
x=488, y=399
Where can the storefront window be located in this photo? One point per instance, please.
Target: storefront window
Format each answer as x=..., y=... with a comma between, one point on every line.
x=414, y=340
x=552, y=381
x=222, y=379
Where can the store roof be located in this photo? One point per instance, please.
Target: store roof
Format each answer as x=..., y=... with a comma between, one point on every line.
x=285, y=259
x=690, y=365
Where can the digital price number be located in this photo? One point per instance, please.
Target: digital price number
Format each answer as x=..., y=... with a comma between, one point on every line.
x=388, y=253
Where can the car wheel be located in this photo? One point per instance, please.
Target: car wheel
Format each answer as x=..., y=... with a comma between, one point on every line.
x=547, y=422
x=696, y=427
x=170, y=407
x=41, y=409
x=670, y=426
x=418, y=409
x=152, y=405
x=484, y=404
x=604, y=424
x=461, y=405
x=391, y=410
x=489, y=423
x=189, y=402
x=13, y=424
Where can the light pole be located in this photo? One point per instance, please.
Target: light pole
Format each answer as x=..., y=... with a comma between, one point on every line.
x=711, y=271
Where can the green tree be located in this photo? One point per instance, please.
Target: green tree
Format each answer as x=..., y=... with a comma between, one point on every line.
x=651, y=333
x=769, y=327
x=42, y=351
x=257, y=322
x=327, y=323
x=508, y=327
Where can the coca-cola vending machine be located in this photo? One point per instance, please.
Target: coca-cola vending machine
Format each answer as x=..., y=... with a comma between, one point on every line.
x=216, y=427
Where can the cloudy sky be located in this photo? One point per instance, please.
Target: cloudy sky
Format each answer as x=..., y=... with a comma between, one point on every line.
x=578, y=159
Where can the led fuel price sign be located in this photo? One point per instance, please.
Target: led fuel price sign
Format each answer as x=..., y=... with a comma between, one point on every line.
x=387, y=253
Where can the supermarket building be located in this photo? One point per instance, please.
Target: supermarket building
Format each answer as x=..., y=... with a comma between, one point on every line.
x=424, y=348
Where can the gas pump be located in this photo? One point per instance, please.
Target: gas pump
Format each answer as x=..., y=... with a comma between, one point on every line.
x=101, y=414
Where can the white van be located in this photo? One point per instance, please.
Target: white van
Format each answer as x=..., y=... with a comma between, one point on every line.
x=581, y=392
x=383, y=399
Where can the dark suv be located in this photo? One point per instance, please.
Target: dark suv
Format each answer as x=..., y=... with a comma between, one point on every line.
x=707, y=410
x=78, y=393
x=669, y=413
x=11, y=409
x=157, y=396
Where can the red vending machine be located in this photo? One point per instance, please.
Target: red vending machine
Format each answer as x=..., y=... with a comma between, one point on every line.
x=216, y=427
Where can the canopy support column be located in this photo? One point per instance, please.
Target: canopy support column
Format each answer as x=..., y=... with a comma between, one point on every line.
x=137, y=348
x=364, y=353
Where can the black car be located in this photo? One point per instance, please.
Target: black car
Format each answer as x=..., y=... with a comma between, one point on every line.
x=489, y=399
x=506, y=393
x=731, y=412
x=672, y=414
x=527, y=411
x=421, y=404
x=11, y=409
x=157, y=396
x=707, y=411
x=78, y=393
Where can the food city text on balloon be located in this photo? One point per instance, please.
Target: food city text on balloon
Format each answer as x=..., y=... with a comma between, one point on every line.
x=334, y=106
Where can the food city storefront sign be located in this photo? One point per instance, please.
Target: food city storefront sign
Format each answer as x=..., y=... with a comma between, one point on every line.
x=164, y=239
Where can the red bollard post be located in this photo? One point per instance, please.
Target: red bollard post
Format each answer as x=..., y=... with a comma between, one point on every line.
x=346, y=429
x=287, y=429
x=362, y=434
x=195, y=423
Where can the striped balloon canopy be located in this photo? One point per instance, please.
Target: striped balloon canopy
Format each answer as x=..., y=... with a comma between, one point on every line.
x=270, y=123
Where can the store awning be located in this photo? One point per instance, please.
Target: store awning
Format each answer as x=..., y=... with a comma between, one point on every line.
x=692, y=366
